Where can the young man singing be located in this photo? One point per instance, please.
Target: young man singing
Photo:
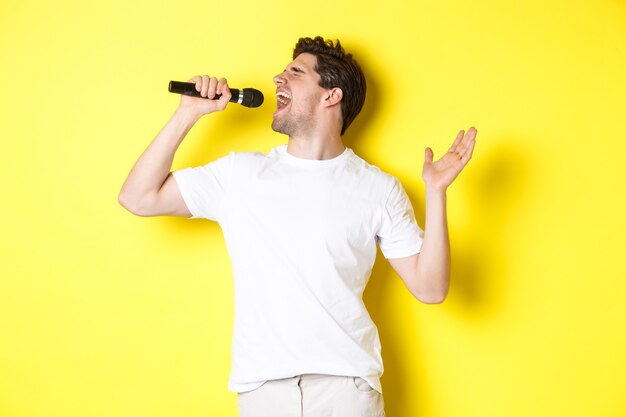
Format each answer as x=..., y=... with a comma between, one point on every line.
x=301, y=225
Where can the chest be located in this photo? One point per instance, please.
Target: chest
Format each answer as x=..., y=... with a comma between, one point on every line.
x=323, y=206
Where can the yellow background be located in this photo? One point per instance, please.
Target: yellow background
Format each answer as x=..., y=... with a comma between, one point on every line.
x=106, y=314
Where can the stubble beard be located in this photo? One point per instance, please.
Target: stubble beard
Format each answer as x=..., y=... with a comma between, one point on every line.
x=291, y=125
x=286, y=127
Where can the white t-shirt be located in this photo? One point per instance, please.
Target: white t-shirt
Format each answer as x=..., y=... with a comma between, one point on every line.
x=301, y=235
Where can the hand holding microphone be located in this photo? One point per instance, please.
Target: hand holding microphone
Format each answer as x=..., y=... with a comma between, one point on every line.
x=199, y=89
x=206, y=87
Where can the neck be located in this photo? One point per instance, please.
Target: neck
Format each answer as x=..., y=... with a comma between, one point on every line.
x=318, y=146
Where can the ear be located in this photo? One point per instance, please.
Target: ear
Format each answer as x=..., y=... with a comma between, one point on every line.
x=333, y=96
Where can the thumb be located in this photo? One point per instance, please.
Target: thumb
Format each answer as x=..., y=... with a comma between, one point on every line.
x=428, y=155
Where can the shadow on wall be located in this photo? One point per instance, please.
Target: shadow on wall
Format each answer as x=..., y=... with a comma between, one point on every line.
x=356, y=130
x=479, y=268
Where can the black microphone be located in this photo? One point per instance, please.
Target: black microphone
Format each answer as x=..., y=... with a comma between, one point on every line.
x=248, y=97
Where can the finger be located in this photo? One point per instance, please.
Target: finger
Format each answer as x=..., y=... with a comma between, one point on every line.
x=205, y=86
x=197, y=80
x=428, y=155
x=471, y=132
x=222, y=87
x=212, y=87
x=465, y=143
x=459, y=136
x=469, y=151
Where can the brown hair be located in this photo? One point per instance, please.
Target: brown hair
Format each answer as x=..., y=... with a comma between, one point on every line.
x=337, y=69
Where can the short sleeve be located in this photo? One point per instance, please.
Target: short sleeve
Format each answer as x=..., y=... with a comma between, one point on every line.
x=204, y=188
x=399, y=235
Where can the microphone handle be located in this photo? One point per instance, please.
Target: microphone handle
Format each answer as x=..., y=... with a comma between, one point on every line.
x=189, y=89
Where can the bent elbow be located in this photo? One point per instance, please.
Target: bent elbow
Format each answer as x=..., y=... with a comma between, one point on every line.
x=124, y=202
x=130, y=205
x=435, y=300
x=432, y=298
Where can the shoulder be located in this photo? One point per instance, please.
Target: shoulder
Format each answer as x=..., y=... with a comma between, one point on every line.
x=372, y=173
x=248, y=158
x=250, y=164
x=257, y=156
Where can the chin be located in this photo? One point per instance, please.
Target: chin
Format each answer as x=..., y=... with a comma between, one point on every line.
x=280, y=127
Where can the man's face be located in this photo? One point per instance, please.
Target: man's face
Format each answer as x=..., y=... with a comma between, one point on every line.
x=298, y=96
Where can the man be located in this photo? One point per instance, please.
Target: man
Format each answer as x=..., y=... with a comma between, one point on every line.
x=301, y=225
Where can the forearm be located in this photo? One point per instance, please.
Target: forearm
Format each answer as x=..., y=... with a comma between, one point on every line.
x=433, y=267
x=154, y=164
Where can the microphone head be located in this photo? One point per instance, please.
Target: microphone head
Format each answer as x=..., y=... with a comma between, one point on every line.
x=252, y=97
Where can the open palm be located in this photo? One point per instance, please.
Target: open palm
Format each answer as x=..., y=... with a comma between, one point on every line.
x=440, y=174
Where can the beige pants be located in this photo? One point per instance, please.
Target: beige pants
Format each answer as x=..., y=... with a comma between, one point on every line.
x=312, y=395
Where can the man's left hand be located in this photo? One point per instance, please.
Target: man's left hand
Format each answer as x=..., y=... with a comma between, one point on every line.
x=439, y=175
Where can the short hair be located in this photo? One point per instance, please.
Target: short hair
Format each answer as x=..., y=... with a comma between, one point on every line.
x=337, y=69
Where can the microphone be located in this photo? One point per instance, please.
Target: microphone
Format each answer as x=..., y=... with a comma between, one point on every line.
x=248, y=97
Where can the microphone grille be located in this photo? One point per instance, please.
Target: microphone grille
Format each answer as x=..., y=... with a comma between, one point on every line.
x=252, y=97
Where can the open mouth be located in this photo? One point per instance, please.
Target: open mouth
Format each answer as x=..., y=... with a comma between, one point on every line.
x=282, y=100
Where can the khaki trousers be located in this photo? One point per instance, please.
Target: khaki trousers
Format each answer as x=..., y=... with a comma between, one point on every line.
x=312, y=395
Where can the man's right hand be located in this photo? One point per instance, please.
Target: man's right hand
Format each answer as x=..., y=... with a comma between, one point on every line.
x=208, y=87
x=150, y=189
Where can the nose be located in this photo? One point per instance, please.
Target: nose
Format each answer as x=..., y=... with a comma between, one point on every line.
x=279, y=79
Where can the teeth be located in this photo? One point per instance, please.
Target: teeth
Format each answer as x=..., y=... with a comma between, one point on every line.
x=282, y=98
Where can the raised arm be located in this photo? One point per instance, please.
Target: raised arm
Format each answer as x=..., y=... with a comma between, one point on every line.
x=150, y=189
x=427, y=274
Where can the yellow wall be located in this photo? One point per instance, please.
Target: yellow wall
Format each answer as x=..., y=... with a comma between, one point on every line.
x=106, y=314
